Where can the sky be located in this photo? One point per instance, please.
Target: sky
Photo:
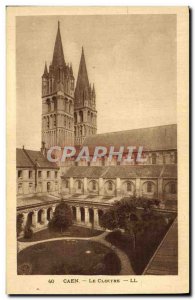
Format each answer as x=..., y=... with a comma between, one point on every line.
x=131, y=59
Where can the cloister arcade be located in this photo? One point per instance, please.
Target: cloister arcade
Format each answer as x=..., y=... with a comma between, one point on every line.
x=82, y=215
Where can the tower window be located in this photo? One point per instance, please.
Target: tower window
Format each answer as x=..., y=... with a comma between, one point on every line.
x=54, y=121
x=79, y=185
x=48, y=174
x=30, y=174
x=56, y=174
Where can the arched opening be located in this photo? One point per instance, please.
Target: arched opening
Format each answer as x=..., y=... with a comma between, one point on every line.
x=110, y=186
x=75, y=117
x=29, y=219
x=100, y=214
x=91, y=216
x=81, y=116
x=40, y=213
x=129, y=187
x=74, y=213
x=79, y=185
x=49, y=213
x=82, y=210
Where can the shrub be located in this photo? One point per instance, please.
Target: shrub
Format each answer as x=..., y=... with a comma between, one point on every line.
x=25, y=269
x=99, y=269
x=112, y=263
x=116, y=234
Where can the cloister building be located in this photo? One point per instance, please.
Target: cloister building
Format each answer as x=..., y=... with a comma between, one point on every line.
x=69, y=117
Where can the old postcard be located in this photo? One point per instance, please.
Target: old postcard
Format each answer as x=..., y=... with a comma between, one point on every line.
x=97, y=150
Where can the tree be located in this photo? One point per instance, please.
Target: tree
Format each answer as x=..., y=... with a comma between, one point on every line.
x=123, y=215
x=116, y=217
x=62, y=218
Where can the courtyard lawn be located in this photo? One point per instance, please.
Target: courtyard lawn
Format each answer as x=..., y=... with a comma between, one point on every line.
x=73, y=231
x=73, y=257
x=146, y=244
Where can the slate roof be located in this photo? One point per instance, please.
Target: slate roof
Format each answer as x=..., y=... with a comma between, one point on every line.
x=133, y=171
x=22, y=160
x=151, y=138
x=82, y=85
x=35, y=200
x=58, y=54
x=29, y=158
x=165, y=259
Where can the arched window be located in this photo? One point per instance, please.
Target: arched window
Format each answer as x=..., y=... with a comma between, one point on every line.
x=47, y=122
x=153, y=158
x=54, y=121
x=149, y=187
x=49, y=106
x=81, y=116
x=48, y=186
x=128, y=186
x=66, y=184
x=110, y=186
x=173, y=188
x=93, y=185
x=75, y=117
x=79, y=185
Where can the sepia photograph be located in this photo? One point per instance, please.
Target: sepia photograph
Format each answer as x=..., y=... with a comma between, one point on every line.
x=96, y=147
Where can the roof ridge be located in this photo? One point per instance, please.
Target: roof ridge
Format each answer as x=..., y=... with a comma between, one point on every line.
x=120, y=131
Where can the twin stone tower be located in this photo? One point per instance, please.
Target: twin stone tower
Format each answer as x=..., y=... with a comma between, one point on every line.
x=68, y=113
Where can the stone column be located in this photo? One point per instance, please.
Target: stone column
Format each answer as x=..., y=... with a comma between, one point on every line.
x=78, y=215
x=51, y=213
x=85, y=186
x=138, y=192
x=101, y=187
x=118, y=186
x=96, y=218
x=44, y=216
x=34, y=218
x=25, y=217
x=71, y=184
x=87, y=216
x=160, y=188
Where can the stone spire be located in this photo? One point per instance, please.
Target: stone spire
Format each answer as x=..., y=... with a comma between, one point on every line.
x=58, y=54
x=82, y=86
x=45, y=73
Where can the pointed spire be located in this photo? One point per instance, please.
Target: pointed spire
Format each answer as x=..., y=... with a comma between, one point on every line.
x=82, y=86
x=45, y=73
x=58, y=54
x=71, y=71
